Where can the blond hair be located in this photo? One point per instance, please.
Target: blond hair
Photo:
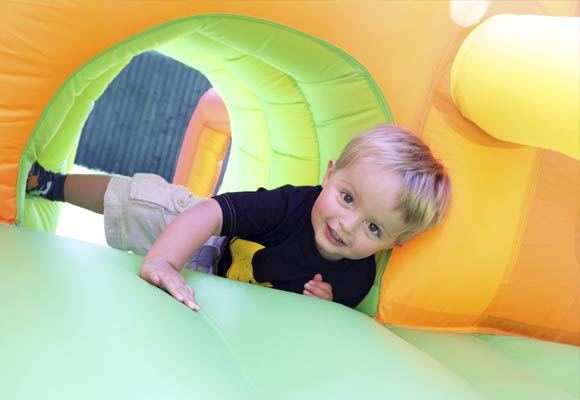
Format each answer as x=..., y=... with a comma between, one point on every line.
x=425, y=189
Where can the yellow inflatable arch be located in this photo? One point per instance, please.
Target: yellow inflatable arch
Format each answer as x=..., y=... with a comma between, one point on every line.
x=299, y=80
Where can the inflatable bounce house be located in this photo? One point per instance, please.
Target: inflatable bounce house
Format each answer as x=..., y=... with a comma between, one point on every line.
x=486, y=306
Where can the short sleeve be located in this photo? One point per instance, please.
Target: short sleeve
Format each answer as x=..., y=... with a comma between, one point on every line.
x=254, y=214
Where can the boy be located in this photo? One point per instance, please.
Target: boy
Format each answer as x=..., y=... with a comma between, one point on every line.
x=385, y=189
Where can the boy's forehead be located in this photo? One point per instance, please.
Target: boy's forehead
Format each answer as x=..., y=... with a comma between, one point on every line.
x=366, y=172
x=380, y=184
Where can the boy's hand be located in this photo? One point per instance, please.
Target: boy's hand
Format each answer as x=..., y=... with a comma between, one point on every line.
x=318, y=288
x=168, y=279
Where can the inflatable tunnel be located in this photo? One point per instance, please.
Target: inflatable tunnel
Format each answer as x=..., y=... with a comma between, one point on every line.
x=484, y=306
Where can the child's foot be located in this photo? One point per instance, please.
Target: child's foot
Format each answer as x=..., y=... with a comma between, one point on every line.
x=45, y=183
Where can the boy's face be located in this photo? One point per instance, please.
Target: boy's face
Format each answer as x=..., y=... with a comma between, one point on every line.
x=354, y=215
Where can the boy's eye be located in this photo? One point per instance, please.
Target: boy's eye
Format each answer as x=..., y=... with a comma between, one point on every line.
x=347, y=197
x=374, y=229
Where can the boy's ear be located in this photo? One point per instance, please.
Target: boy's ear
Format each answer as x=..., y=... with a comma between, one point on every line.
x=329, y=170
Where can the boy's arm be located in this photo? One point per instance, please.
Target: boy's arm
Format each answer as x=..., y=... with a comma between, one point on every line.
x=185, y=234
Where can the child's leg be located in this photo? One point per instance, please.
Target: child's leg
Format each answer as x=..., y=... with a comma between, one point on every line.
x=86, y=191
x=138, y=209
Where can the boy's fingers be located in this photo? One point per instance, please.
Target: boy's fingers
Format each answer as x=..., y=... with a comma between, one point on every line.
x=319, y=285
x=152, y=278
x=317, y=290
x=189, y=298
x=322, y=296
x=182, y=292
x=186, y=295
x=172, y=283
x=192, y=304
x=175, y=288
x=308, y=293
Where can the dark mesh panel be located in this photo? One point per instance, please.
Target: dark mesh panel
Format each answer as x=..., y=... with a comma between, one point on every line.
x=138, y=124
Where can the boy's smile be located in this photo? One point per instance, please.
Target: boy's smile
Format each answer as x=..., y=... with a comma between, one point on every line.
x=354, y=216
x=333, y=237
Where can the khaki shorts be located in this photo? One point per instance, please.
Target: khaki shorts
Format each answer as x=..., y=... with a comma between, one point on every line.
x=138, y=209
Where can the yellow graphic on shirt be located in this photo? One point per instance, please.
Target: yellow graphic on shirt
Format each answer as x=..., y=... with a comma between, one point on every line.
x=241, y=269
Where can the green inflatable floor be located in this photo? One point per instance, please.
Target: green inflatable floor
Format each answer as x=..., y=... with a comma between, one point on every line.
x=78, y=323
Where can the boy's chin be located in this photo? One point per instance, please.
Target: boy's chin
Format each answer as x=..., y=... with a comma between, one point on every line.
x=328, y=255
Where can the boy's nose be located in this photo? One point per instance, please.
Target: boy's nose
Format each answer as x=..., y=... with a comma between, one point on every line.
x=349, y=222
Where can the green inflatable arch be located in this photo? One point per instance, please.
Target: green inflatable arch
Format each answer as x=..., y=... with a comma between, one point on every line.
x=293, y=101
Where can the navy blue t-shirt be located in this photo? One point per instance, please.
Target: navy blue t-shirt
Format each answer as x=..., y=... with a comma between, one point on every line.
x=282, y=251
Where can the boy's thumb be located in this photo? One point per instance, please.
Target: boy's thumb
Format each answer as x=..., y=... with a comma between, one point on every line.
x=154, y=279
x=318, y=278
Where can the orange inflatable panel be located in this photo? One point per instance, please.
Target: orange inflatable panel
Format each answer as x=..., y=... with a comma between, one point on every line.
x=204, y=146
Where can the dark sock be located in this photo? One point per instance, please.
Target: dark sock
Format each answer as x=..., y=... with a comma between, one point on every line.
x=44, y=183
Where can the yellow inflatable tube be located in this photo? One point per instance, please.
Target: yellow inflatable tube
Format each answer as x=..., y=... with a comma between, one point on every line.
x=522, y=69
